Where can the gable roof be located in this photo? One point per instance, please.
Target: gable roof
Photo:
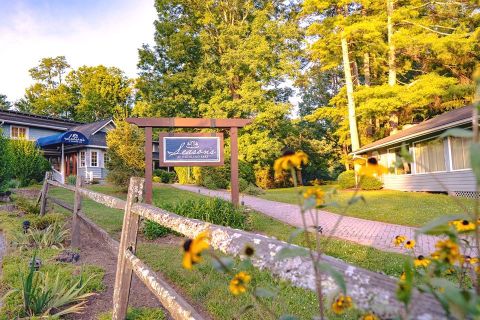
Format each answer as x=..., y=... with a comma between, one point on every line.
x=90, y=129
x=25, y=118
x=441, y=122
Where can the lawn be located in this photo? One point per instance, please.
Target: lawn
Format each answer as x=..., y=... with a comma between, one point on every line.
x=213, y=294
x=397, y=207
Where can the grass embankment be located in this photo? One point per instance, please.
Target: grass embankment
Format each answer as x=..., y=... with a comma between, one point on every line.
x=397, y=207
x=213, y=294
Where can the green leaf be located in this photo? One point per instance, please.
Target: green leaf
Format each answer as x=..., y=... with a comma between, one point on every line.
x=337, y=276
x=245, y=264
x=355, y=199
x=458, y=133
x=295, y=234
x=405, y=287
x=330, y=204
x=405, y=154
x=264, y=293
x=290, y=252
x=225, y=264
x=475, y=159
x=440, y=225
x=309, y=203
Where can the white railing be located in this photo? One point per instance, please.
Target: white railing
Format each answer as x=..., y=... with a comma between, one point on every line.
x=58, y=176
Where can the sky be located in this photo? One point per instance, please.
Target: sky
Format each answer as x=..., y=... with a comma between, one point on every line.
x=86, y=32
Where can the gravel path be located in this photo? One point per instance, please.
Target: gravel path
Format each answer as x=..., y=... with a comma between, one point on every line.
x=366, y=232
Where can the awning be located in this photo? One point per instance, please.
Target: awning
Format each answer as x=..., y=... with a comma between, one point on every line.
x=66, y=138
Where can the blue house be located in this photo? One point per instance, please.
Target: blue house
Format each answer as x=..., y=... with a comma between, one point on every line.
x=72, y=148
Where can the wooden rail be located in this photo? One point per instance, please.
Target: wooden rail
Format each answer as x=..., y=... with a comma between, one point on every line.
x=365, y=287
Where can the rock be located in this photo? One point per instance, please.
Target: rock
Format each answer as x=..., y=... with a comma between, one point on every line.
x=68, y=256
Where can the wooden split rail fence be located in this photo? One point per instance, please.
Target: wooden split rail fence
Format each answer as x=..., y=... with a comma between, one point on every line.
x=368, y=289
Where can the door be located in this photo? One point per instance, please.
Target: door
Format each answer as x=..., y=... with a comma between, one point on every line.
x=71, y=164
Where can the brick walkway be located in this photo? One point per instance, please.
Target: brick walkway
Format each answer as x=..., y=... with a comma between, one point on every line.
x=367, y=232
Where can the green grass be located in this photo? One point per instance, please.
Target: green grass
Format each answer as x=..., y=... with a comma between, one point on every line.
x=397, y=207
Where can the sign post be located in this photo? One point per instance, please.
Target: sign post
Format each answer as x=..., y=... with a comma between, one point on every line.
x=191, y=149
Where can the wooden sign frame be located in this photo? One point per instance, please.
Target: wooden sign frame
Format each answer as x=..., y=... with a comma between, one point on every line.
x=221, y=150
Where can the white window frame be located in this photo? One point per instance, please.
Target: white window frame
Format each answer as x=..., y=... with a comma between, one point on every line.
x=451, y=160
x=91, y=158
x=27, y=133
x=389, y=152
x=84, y=159
x=415, y=160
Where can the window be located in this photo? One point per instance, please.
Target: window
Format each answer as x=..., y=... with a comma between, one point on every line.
x=18, y=133
x=397, y=163
x=106, y=158
x=460, y=154
x=429, y=156
x=94, y=159
x=82, y=159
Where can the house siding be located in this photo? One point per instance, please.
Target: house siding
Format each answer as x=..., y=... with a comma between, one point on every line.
x=452, y=181
x=92, y=172
x=33, y=132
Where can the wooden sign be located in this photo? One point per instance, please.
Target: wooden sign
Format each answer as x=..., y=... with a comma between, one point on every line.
x=191, y=149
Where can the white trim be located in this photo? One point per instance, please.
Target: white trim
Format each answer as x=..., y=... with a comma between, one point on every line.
x=419, y=134
x=91, y=165
x=35, y=125
x=451, y=160
x=27, y=132
x=110, y=121
x=80, y=159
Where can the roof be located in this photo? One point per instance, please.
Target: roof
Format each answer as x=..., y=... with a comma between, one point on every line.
x=91, y=128
x=441, y=122
x=11, y=116
x=66, y=138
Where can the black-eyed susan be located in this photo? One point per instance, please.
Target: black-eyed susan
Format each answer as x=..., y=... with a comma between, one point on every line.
x=369, y=316
x=403, y=276
x=463, y=225
x=249, y=250
x=447, y=251
x=341, y=304
x=289, y=160
x=238, y=284
x=421, y=261
x=372, y=168
x=469, y=260
x=399, y=240
x=409, y=244
x=193, y=249
x=315, y=193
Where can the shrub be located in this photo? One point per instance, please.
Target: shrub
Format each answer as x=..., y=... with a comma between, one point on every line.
x=29, y=164
x=27, y=206
x=52, y=237
x=5, y=163
x=346, y=179
x=243, y=184
x=42, y=222
x=184, y=175
x=153, y=230
x=71, y=180
x=165, y=176
x=370, y=183
x=210, y=183
x=156, y=179
x=253, y=190
x=212, y=177
x=264, y=178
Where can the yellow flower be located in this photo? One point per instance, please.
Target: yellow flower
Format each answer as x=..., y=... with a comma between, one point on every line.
x=421, y=261
x=409, y=244
x=372, y=168
x=316, y=193
x=369, y=316
x=193, y=249
x=447, y=251
x=399, y=240
x=289, y=160
x=239, y=283
x=463, y=225
x=403, y=276
x=341, y=304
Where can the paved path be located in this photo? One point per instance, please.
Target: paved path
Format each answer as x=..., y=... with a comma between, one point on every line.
x=367, y=232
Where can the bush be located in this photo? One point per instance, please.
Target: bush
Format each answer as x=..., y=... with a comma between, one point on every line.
x=253, y=190
x=72, y=180
x=346, y=179
x=264, y=178
x=42, y=222
x=243, y=184
x=5, y=163
x=156, y=179
x=370, y=183
x=27, y=206
x=212, y=177
x=165, y=176
x=28, y=163
x=153, y=230
x=184, y=175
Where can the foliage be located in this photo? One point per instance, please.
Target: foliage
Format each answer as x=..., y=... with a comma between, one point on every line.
x=346, y=180
x=264, y=178
x=26, y=206
x=242, y=184
x=4, y=103
x=185, y=175
x=156, y=179
x=370, y=183
x=43, y=222
x=28, y=163
x=139, y=314
x=125, y=152
x=165, y=176
x=152, y=230
x=212, y=177
x=5, y=163
x=253, y=190
x=53, y=236
x=71, y=180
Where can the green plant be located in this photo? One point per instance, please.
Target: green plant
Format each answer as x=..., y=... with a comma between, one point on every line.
x=42, y=296
x=264, y=178
x=42, y=222
x=27, y=206
x=253, y=190
x=153, y=230
x=52, y=237
x=370, y=183
x=346, y=179
x=156, y=179
x=165, y=176
x=5, y=163
x=13, y=184
x=138, y=314
x=71, y=180
x=242, y=184
x=28, y=163
x=185, y=175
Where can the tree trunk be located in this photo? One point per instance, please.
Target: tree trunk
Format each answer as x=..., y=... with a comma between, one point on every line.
x=356, y=77
x=352, y=119
x=392, y=73
x=366, y=68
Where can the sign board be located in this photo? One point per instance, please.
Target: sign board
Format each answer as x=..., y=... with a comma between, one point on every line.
x=191, y=149
x=73, y=137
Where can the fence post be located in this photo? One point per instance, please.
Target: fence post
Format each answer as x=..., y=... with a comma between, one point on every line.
x=128, y=239
x=43, y=195
x=77, y=206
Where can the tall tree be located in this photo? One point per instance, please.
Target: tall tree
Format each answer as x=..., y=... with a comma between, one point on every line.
x=4, y=103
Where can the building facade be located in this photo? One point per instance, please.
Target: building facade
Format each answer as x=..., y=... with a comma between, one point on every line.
x=440, y=163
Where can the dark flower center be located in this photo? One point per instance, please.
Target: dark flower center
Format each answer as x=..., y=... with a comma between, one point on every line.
x=408, y=242
x=187, y=244
x=420, y=257
x=249, y=251
x=465, y=222
x=288, y=152
x=372, y=161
